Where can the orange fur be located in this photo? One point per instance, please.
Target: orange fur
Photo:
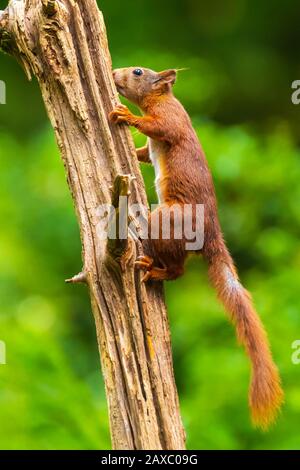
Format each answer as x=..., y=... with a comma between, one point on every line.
x=183, y=177
x=265, y=395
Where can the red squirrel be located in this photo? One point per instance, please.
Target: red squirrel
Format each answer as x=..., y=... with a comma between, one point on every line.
x=183, y=177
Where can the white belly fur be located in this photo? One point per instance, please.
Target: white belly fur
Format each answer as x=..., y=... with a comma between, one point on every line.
x=155, y=152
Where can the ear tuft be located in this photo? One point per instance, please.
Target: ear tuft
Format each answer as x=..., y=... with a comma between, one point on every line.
x=168, y=76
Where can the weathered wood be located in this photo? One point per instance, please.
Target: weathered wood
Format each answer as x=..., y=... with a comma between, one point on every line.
x=64, y=44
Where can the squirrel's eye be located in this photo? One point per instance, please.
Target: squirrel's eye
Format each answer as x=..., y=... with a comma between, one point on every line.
x=138, y=72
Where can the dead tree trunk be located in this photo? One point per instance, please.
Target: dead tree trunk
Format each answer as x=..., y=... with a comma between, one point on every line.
x=64, y=44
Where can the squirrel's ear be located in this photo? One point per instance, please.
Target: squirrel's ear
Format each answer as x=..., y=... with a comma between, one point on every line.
x=167, y=76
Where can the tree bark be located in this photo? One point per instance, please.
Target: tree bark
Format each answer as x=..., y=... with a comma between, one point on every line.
x=64, y=44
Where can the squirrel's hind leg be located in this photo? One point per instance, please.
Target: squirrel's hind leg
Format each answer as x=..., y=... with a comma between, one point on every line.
x=155, y=273
x=163, y=258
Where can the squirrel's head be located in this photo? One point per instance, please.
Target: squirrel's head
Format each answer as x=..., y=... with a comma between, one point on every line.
x=137, y=83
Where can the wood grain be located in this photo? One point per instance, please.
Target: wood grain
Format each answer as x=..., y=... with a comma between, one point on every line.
x=63, y=43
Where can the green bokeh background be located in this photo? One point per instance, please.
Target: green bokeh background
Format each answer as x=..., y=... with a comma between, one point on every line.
x=242, y=59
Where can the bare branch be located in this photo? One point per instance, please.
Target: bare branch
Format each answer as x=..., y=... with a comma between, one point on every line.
x=78, y=279
x=64, y=44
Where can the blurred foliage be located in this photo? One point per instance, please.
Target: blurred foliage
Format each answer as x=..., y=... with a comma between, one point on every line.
x=242, y=61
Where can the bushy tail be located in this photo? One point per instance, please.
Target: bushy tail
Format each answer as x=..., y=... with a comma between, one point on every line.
x=265, y=394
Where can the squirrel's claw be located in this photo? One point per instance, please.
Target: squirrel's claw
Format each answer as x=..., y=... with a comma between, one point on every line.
x=144, y=263
x=141, y=265
x=146, y=276
x=120, y=114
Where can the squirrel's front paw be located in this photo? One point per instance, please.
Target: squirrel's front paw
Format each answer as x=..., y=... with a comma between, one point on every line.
x=121, y=114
